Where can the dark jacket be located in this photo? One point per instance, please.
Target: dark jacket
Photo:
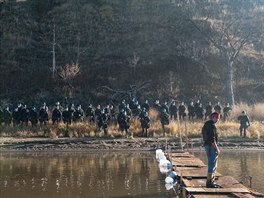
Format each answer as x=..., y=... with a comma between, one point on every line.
x=209, y=133
x=244, y=120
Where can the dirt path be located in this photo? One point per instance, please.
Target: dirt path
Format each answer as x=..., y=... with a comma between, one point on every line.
x=91, y=144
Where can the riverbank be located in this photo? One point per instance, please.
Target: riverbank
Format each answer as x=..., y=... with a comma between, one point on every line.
x=108, y=144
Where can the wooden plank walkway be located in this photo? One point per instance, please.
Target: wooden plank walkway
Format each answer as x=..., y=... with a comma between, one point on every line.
x=193, y=173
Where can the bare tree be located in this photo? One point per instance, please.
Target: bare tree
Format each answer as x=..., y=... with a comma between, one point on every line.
x=133, y=62
x=54, y=52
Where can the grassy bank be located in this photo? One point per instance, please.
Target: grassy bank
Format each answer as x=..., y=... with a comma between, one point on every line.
x=176, y=128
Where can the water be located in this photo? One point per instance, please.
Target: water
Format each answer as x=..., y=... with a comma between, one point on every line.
x=98, y=175
x=241, y=164
x=92, y=175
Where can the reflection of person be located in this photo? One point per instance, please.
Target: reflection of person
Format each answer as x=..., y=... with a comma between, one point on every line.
x=212, y=151
x=244, y=123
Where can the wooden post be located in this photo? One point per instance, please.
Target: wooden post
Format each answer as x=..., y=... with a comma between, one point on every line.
x=186, y=133
x=184, y=194
x=250, y=181
x=179, y=127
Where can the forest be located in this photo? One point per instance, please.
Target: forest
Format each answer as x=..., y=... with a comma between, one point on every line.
x=107, y=50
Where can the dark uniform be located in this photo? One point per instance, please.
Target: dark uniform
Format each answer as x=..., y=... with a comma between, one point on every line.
x=113, y=118
x=208, y=110
x=67, y=116
x=122, y=105
x=6, y=116
x=165, y=106
x=43, y=115
x=78, y=114
x=173, y=110
x=200, y=112
x=102, y=121
x=124, y=121
x=218, y=108
x=244, y=123
x=191, y=111
x=90, y=113
x=146, y=105
x=182, y=109
x=227, y=109
x=1, y=115
x=24, y=115
x=133, y=106
x=145, y=122
x=56, y=115
x=157, y=106
x=16, y=117
x=196, y=107
x=164, y=120
x=33, y=117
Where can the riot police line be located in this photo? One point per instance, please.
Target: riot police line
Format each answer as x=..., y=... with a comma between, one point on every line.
x=102, y=116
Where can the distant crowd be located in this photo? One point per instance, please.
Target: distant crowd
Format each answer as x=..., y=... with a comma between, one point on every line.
x=102, y=116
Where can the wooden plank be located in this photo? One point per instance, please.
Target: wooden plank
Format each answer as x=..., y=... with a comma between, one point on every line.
x=233, y=195
x=240, y=195
x=223, y=181
x=229, y=182
x=216, y=190
x=194, y=183
x=213, y=196
x=191, y=162
x=176, y=155
x=194, y=172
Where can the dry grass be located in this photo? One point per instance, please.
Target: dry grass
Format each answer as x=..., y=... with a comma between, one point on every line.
x=255, y=112
x=174, y=129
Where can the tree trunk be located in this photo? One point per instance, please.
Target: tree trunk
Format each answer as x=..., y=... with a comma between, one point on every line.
x=53, y=53
x=229, y=83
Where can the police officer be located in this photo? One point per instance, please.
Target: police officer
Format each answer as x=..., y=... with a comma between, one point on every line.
x=67, y=116
x=200, y=112
x=145, y=122
x=33, y=116
x=16, y=117
x=165, y=106
x=196, y=105
x=124, y=121
x=137, y=111
x=1, y=115
x=24, y=115
x=218, y=107
x=181, y=110
x=102, y=121
x=97, y=111
x=208, y=110
x=90, y=113
x=164, y=120
x=191, y=111
x=43, y=115
x=146, y=105
x=122, y=105
x=133, y=105
x=6, y=116
x=244, y=123
x=157, y=106
x=128, y=110
x=227, y=109
x=173, y=110
x=113, y=115
x=56, y=115
x=78, y=114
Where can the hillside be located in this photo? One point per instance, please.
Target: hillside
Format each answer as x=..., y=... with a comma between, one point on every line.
x=97, y=50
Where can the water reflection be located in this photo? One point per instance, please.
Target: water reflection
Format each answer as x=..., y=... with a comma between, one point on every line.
x=80, y=175
x=241, y=164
